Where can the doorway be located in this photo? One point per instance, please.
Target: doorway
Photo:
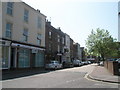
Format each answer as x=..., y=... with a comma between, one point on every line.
x=33, y=60
x=12, y=64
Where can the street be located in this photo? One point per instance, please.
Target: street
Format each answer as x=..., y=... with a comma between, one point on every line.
x=64, y=78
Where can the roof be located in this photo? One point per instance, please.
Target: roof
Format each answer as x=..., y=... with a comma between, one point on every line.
x=34, y=9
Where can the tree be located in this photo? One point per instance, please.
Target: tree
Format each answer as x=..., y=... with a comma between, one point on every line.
x=101, y=43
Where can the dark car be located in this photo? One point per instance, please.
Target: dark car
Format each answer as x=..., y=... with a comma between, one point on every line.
x=67, y=64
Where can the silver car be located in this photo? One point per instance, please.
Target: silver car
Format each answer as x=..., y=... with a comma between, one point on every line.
x=77, y=63
x=53, y=65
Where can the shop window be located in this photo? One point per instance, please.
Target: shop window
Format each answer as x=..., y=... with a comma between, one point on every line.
x=24, y=58
x=5, y=57
x=39, y=61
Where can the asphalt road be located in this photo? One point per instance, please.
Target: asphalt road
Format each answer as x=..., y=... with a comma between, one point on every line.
x=66, y=78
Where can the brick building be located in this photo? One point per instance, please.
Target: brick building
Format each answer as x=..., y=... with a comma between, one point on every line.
x=71, y=49
x=54, y=42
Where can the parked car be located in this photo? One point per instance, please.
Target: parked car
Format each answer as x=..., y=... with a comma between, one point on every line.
x=54, y=64
x=85, y=62
x=112, y=59
x=101, y=63
x=118, y=60
x=82, y=63
x=67, y=64
x=89, y=62
x=77, y=62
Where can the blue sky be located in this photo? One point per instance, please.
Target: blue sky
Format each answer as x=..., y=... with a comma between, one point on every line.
x=78, y=18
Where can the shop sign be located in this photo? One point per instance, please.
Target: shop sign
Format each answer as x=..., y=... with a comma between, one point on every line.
x=26, y=46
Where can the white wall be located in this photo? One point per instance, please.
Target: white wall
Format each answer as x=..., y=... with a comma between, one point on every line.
x=18, y=23
x=67, y=44
x=79, y=51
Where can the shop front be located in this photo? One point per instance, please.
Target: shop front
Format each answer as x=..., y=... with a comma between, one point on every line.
x=26, y=56
x=19, y=55
x=5, y=51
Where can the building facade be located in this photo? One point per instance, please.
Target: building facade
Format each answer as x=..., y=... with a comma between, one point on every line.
x=77, y=51
x=23, y=36
x=55, y=42
x=67, y=48
x=83, y=57
x=71, y=49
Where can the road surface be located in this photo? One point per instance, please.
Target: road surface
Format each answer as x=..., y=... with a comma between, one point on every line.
x=65, y=78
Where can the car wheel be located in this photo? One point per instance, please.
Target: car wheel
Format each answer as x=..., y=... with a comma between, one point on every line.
x=55, y=67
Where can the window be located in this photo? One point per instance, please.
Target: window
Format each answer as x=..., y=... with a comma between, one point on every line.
x=24, y=58
x=62, y=40
x=5, y=56
x=58, y=38
x=8, y=30
x=39, y=22
x=58, y=48
x=50, y=34
x=39, y=37
x=10, y=8
x=26, y=15
x=25, y=35
x=39, y=60
x=50, y=47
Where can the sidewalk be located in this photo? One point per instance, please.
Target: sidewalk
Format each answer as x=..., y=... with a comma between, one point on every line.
x=100, y=73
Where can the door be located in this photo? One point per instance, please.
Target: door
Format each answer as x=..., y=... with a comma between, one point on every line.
x=12, y=65
x=33, y=60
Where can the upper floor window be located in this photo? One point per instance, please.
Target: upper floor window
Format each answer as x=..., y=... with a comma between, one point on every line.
x=26, y=15
x=10, y=8
x=39, y=37
x=50, y=34
x=58, y=38
x=50, y=47
x=58, y=48
x=39, y=22
x=63, y=40
x=8, y=30
x=25, y=35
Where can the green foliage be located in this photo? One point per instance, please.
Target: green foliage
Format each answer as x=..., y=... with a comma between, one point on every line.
x=101, y=43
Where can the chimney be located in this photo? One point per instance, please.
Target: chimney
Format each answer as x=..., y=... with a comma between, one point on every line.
x=38, y=10
x=59, y=29
x=48, y=22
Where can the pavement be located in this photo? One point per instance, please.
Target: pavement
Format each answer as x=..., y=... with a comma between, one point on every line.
x=11, y=74
x=100, y=73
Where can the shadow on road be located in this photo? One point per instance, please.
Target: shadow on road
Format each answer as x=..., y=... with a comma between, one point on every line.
x=11, y=74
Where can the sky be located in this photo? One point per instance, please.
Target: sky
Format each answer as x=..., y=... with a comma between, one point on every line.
x=78, y=17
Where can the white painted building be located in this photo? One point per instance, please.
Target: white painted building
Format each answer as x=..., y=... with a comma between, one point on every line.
x=67, y=47
x=79, y=53
x=23, y=36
